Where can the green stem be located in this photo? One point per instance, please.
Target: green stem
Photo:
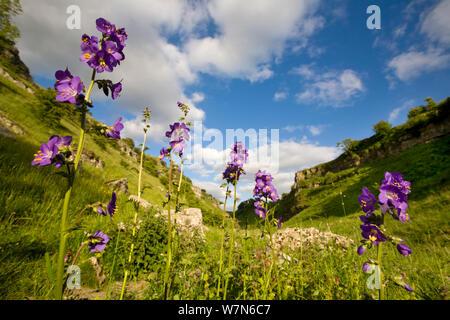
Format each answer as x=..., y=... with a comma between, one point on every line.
x=135, y=217
x=63, y=231
x=169, y=240
x=232, y=239
x=108, y=294
x=223, y=240
x=380, y=274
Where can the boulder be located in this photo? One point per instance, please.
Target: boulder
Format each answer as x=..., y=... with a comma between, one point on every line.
x=121, y=185
x=91, y=158
x=142, y=202
x=189, y=220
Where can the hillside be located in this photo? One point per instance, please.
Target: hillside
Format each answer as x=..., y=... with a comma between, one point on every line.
x=31, y=198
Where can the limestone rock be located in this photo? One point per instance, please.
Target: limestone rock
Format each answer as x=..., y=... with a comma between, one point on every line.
x=142, y=202
x=91, y=158
x=294, y=238
x=189, y=219
x=120, y=185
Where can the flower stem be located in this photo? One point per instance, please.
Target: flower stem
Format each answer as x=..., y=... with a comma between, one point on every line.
x=380, y=274
x=223, y=240
x=232, y=240
x=135, y=217
x=169, y=240
x=63, y=231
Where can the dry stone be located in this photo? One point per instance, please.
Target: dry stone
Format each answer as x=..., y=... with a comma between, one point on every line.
x=120, y=185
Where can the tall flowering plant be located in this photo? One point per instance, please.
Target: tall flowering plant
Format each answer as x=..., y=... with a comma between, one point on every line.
x=178, y=134
x=393, y=201
x=264, y=193
x=232, y=173
x=146, y=118
x=100, y=54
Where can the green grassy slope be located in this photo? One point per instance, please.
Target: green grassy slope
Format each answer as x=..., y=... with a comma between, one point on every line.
x=31, y=198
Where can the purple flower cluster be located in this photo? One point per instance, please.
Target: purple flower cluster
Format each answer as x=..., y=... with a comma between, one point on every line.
x=178, y=135
x=105, y=54
x=52, y=152
x=69, y=87
x=235, y=168
x=392, y=199
x=264, y=187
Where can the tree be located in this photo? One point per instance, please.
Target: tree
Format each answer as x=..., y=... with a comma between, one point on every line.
x=382, y=128
x=347, y=144
x=8, y=9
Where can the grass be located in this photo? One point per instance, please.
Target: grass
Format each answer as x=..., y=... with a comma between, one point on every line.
x=31, y=205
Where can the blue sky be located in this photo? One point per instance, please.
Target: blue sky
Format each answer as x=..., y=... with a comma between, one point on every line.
x=311, y=69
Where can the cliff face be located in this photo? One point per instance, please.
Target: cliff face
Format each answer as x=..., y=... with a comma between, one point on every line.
x=426, y=131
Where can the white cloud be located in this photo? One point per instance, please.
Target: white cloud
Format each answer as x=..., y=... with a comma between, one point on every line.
x=278, y=96
x=293, y=156
x=293, y=128
x=410, y=65
x=396, y=112
x=331, y=88
x=315, y=130
x=197, y=97
x=250, y=35
x=435, y=25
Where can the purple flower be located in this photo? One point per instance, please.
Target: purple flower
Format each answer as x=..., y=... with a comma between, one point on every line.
x=89, y=48
x=407, y=287
x=115, y=132
x=264, y=187
x=361, y=249
x=68, y=87
x=163, y=153
x=47, y=153
x=396, y=179
x=111, y=207
x=373, y=234
x=107, y=58
x=178, y=146
x=366, y=266
x=259, y=209
x=98, y=241
x=367, y=201
x=279, y=222
x=104, y=26
x=158, y=172
x=119, y=37
x=116, y=88
x=62, y=76
x=101, y=211
x=231, y=171
x=403, y=249
x=178, y=131
x=392, y=194
x=239, y=154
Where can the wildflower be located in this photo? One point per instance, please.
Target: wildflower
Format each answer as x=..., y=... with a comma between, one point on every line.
x=89, y=48
x=111, y=207
x=68, y=87
x=105, y=27
x=396, y=179
x=361, y=249
x=279, y=222
x=107, y=58
x=403, y=249
x=163, y=153
x=47, y=153
x=373, y=234
x=367, y=201
x=98, y=241
x=231, y=171
x=239, y=154
x=178, y=131
x=259, y=209
x=115, y=132
x=62, y=76
x=116, y=88
x=264, y=187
